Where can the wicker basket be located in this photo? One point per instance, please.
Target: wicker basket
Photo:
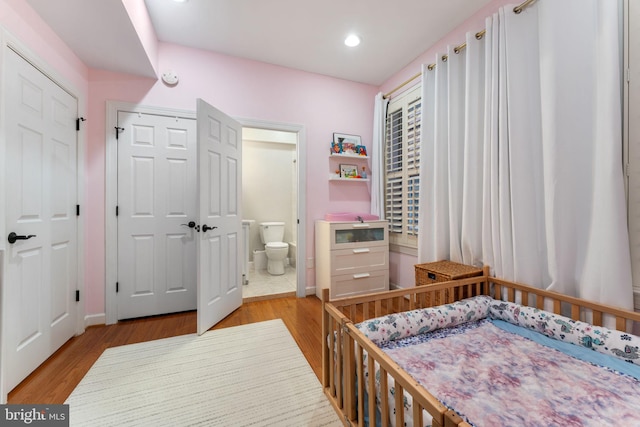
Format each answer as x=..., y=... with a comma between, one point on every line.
x=443, y=271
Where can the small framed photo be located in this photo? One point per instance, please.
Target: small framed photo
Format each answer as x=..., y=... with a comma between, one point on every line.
x=348, y=171
x=348, y=143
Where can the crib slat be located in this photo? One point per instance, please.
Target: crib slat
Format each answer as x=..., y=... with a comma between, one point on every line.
x=621, y=323
x=332, y=350
x=372, y=391
x=378, y=308
x=365, y=310
x=360, y=375
x=417, y=414
x=399, y=400
x=349, y=380
x=339, y=371
x=597, y=318
x=525, y=297
x=539, y=302
x=557, y=306
x=384, y=398
x=575, y=312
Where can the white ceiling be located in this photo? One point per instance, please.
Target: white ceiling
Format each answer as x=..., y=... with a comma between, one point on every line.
x=301, y=34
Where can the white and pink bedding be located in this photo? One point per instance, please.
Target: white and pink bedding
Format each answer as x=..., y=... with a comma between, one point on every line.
x=497, y=373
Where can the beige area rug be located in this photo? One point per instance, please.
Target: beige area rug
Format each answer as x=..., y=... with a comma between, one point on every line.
x=250, y=375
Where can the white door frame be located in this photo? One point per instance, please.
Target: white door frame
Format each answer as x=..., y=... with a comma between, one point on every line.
x=111, y=195
x=8, y=41
x=301, y=169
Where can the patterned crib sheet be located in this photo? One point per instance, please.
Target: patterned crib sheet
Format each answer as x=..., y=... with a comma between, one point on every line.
x=492, y=377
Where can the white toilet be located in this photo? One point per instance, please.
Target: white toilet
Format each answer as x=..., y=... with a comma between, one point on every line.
x=272, y=234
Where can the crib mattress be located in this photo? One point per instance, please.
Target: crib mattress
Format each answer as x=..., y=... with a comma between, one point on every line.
x=493, y=377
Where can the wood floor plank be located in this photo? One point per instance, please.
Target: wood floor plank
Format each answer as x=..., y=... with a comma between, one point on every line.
x=56, y=378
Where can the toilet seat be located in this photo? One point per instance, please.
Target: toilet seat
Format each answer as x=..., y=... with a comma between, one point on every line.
x=277, y=245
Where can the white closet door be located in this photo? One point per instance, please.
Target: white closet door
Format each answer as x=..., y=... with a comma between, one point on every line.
x=39, y=308
x=156, y=201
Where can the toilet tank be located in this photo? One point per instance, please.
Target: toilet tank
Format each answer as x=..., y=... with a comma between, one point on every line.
x=271, y=232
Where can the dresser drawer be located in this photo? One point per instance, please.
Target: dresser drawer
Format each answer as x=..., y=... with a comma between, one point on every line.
x=355, y=259
x=354, y=235
x=346, y=285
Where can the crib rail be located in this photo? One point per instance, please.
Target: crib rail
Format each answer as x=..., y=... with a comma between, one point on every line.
x=575, y=308
x=345, y=347
x=343, y=373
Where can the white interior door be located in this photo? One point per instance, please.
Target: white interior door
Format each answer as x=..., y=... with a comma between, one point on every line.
x=219, y=200
x=156, y=202
x=39, y=308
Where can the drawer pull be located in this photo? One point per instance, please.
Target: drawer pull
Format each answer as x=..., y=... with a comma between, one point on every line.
x=361, y=251
x=361, y=225
x=361, y=275
x=431, y=276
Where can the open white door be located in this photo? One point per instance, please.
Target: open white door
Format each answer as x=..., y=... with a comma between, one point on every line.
x=219, y=245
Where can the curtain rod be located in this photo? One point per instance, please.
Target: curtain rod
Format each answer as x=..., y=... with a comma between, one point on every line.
x=522, y=6
x=517, y=10
x=401, y=85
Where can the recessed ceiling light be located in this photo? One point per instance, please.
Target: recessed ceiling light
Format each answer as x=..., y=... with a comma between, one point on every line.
x=352, y=40
x=180, y=1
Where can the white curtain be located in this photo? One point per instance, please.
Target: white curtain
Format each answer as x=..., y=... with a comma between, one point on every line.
x=377, y=155
x=521, y=161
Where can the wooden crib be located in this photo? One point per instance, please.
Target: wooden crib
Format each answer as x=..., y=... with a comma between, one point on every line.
x=344, y=344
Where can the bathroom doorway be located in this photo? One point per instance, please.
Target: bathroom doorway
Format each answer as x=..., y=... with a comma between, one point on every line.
x=270, y=185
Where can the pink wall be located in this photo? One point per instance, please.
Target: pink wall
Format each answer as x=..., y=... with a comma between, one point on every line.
x=243, y=89
x=20, y=20
x=401, y=270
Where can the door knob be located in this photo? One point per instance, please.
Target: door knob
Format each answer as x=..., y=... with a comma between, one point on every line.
x=206, y=228
x=13, y=237
x=191, y=224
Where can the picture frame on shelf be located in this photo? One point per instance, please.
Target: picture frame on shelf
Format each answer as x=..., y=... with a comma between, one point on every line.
x=346, y=144
x=348, y=171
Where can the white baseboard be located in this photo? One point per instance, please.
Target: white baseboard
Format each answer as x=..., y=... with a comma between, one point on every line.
x=393, y=286
x=95, y=319
x=310, y=290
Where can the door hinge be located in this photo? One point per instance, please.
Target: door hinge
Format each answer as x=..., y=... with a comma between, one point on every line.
x=118, y=130
x=116, y=211
x=77, y=295
x=78, y=120
x=117, y=287
x=77, y=210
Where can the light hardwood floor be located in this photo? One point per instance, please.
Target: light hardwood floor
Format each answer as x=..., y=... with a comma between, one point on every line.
x=56, y=378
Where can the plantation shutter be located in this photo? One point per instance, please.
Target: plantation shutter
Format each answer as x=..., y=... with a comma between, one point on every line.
x=413, y=135
x=394, y=190
x=402, y=166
